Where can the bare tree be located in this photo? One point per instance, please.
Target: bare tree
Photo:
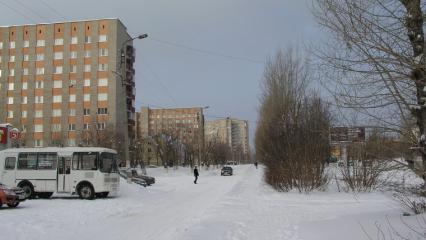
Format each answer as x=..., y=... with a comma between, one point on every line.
x=375, y=57
x=292, y=132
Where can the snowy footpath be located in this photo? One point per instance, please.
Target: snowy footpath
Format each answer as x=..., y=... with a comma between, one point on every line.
x=234, y=207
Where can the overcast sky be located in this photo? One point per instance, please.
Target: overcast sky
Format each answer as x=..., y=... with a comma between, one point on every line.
x=198, y=53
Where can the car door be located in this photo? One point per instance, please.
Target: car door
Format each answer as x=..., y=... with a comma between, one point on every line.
x=64, y=174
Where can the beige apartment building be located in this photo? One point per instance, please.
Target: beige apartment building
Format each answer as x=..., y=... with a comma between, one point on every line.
x=69, y=83
x=186, y=124
x=233, y=132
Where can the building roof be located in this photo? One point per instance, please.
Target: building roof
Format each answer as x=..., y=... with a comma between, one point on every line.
x=84, y=20
x=59, y=149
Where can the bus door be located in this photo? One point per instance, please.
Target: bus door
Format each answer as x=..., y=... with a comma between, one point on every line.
x=64, y=174
x=8, y=174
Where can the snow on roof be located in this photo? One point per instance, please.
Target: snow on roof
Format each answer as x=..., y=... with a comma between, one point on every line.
x=61, y=149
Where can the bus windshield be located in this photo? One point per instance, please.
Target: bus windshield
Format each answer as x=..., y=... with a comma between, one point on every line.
x=108, y=162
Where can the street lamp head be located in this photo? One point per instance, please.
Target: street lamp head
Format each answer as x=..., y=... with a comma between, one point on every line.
x=142, y=36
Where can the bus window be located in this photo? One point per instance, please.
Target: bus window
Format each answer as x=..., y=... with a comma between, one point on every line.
x=27, y=161
x=85, y=161
x=47, y=161
x=9, y=163
x=108, y=162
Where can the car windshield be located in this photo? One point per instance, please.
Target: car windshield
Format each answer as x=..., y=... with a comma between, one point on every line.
x=108, y=162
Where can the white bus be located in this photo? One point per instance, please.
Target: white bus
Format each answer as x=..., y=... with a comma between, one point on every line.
x=87, y=171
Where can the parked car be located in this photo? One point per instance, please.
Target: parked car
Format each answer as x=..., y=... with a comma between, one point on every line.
x=11, y=196
x=226, y=170
x=231, y=163
x=137, y=177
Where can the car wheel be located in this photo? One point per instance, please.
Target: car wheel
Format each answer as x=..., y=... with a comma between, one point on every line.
x=13, y=205
x=45, y=195
x=29, y=190
x=85, y=191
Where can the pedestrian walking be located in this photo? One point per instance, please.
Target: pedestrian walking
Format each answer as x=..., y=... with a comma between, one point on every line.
x=255, y=164
x=196, y=174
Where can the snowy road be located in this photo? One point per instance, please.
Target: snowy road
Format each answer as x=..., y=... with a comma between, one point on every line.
x=236, y=207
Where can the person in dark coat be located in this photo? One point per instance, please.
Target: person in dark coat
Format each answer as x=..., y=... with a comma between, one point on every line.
x=255, y=164
x=196, y=174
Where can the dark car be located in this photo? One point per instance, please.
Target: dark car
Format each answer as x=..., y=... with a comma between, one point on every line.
x=133, y=173
x=11, y=196
x=226, y=170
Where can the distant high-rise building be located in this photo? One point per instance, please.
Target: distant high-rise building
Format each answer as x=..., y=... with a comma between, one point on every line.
x=186, y=124
x=233, y=132
x=69, y=83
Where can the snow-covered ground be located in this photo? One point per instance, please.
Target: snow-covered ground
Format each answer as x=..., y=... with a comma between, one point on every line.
x=235, y=207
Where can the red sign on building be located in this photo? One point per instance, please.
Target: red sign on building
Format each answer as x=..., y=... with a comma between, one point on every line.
x=3, y=135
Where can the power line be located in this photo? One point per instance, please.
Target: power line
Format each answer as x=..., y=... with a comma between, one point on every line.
x=18, y=12
x=32, y=11
x=208, y=52
x=53, y=10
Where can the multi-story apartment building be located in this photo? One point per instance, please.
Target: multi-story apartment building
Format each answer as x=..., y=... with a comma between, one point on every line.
x=69, y=83
x=186, y=124
x=233, y=132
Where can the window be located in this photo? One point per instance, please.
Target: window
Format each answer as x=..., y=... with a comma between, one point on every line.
x=102, y=96
x=73, y=54
x=74, y=40
x=39, y=84
x=38, y=99
x=25, y=71
x=27, y=160
x=102, y=38
x=40, y=57
x=56, y=127
x=71, y=142
x=87, y=39
x=25, y=85
x=86, y=97
x=40, y=43
x=71, y=127
x=24, y=128
x=103, y=82
x=58, y=70
x=57, y=112
x=0, y=59
x=72, y=97
x=24, y=114
x=71, y=112
x=85, y=126
x=59, y=41
x=86, y=111
x=57, y=84
x=10, y=100
x=12, y=45
x=102, y=111
x=58, y=55
x=26, y=57
x=73, y=69
x=101, y=126
x=40, y=71
x=38, y=113
x=11, y=86
x=38, y=128
x=85, y=161
x=87, y=68
x=103, y=52
x=73, y=82
x=57, y=98
x=87, y=82
x=38, y=143
x=47, y=161
x=87, y=53
x=26, y=43
x=103, y=67
x=1, y=45
x=10, y=114
x=24, y=100
x=9, y=163
x=12, y=72
x=12, y=58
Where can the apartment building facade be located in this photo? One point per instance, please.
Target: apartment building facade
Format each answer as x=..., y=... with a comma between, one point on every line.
x=186, y=124
x=69, y=83
x=233, y=132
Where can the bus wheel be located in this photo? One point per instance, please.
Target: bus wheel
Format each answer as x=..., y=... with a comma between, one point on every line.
x=85, y=191
x=28, y=189
x=45, y=195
